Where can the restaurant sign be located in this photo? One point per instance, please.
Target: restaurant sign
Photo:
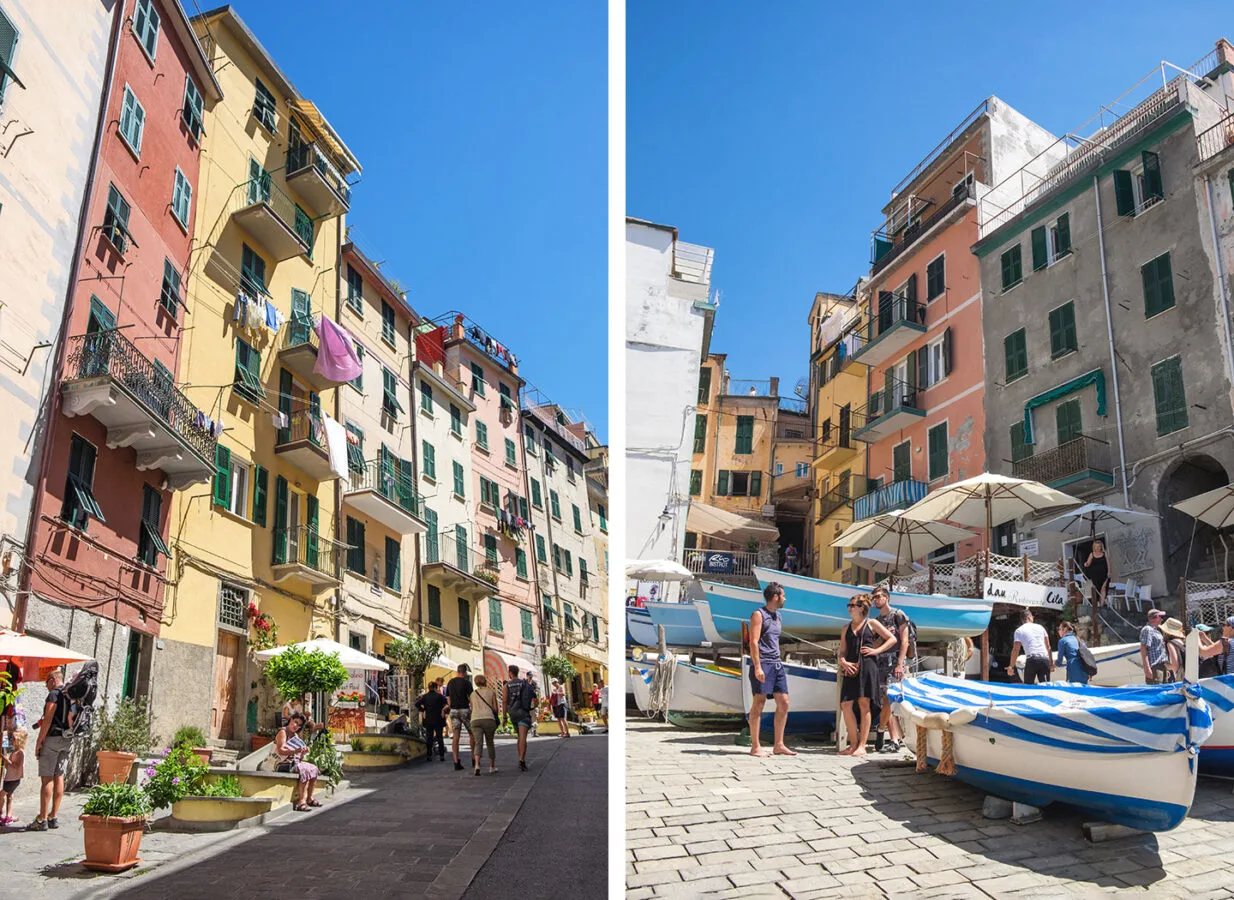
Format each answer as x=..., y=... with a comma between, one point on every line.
x=1025, y=593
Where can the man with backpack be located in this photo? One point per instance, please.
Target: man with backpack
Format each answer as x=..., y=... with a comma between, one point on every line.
x=891, y=666
x=520, y=701
x=52, y=748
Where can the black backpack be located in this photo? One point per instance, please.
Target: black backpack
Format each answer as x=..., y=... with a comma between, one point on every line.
x=1088, y=662
x=75, y=711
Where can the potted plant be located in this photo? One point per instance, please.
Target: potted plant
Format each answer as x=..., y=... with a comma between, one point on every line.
x=120, y=736
x=260, y=738
x=194, y=739
x=113, y=820
x=296, y=672
x=179, y=774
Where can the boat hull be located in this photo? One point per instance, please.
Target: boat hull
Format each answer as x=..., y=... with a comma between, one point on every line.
x=1117, y=665
x=937, y=617
x=638, y=679
x=705, y=699
x=812, y=700
x=681, y=623
x=639, y=629
x=1217, y=753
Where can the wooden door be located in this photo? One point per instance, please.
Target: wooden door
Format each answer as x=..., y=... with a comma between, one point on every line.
x=226, y=670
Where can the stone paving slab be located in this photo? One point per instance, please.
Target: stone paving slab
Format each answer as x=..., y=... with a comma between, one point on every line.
x=704, y=818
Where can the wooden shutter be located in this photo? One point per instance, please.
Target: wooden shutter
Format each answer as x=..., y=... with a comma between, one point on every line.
x=280, y=520
x=923, y=367
x=947, y=351
x=1019, y=449
x=910, y=294
x=1152, y=175
x=222, y=476
x=910, y=369
x=722, y=483
x=1124, y=196
x=430, y=459
x=393, y=564
x=261, y=484
x=1062, y=235
x=938, y=462
x=387, y=473
x=1040, y=257
x=1067, y=419
x=756, y=484
x=1169, y=396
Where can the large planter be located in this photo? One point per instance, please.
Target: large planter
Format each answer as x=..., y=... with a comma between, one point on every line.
x=203, y=753
x=112, y=843
x=115, y=766
x=257, y=741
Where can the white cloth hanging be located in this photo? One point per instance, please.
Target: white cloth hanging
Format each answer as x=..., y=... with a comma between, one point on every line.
x=336, y=444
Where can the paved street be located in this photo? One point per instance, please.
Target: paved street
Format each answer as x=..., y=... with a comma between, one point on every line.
x=705, y=817
x=423, y=831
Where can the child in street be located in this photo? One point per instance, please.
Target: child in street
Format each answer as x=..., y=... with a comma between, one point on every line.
x=14, y=767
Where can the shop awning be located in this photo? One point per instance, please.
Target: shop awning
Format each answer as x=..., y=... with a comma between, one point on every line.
x=497, y=665
x=729, y=526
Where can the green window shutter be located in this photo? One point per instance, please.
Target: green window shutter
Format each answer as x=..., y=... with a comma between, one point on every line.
x=430, y=459
x=222, y=476
x=355, y=546
x=432, y=540
x=1169, y=396
x=456, y=419
x=937, y=441
x=704, y=386
x=511, y=453
x=541, y=554
x=554, y=505
x=464, y=618
x=459, y=485
x=434, y=605
x=556, y=557
x=1015, y=355
x=524, y=616
x=461, y=550
x=261, y=485
x=936, y=278
x=394, y=577
x=1158, y=278
x=569, y=563
x=700, y=433
x=696, y=482
x=495, y=620
x=310, y=537
x=481, y=435
x=1152, y=175
x=520, y=562
x=490, y=549
x=901, y=462
x=1040, y=260
x=1013, y=267
x=1067, y=419
x=1062, y=235
x=745, y=435
x=722, y=483
x=537, y=499
x=1062, y=330
x=426, y=397
x=1124, y=196
x=387, y=321
x=1019, y=449
x=910, y=369
x=578, y=519
x=756, y=485
x=280, y=520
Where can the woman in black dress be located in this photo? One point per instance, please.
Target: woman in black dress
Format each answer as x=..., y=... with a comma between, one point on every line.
x=862, y=640
x=1097, y=568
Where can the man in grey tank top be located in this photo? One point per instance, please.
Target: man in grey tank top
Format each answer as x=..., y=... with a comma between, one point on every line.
x=768, y=679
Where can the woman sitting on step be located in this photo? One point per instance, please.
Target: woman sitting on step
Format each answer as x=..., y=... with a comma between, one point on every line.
x=289, y=753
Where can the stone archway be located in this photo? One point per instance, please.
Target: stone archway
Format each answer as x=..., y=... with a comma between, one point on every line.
x=1188, y=477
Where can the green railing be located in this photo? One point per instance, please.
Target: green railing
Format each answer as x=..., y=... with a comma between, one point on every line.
x=395, y=486
x=304, y=425
x=304, y=546
x=306, y=155
x=286, y=210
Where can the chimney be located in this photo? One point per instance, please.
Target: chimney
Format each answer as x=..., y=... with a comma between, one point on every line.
x=775, y=386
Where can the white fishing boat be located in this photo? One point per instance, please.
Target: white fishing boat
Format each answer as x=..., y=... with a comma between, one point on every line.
x=1122, y=755
x=1117, y=665
x=812, y=695
x=705, y=698
x=638, y=680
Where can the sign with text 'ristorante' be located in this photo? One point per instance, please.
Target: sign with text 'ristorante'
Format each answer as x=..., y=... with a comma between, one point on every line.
x=717, y=563
x=1025, y=593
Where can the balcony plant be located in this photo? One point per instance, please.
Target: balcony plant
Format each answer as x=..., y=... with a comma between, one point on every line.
x=194, y=739
x=120, y=736
x=260, y=738
x=265, y=631
x=489, y=575
x=113, y=821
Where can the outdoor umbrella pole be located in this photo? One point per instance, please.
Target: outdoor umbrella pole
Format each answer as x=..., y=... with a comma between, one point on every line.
x=985, y=637
x=1092, y=588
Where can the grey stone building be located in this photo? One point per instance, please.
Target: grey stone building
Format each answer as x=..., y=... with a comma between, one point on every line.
x=1108, y=361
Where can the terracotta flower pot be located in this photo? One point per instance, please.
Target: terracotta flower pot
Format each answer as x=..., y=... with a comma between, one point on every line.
x=115, y=765
x=203, y=753
x=258, y=741
x=112, y=843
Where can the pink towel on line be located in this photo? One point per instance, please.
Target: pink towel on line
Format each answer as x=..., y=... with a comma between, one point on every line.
x=336, y=357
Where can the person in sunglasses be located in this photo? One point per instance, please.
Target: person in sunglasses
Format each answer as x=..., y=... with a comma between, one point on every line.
x=861, y=642
x=768, y=679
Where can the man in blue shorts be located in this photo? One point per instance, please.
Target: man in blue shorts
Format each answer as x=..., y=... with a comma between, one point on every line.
x=768, y=679
x=520, y=701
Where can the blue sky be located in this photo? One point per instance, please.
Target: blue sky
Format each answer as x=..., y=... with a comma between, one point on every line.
x=482, y=130
x=776, y=138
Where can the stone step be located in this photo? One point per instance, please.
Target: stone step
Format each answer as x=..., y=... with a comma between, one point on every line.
x=219, y=743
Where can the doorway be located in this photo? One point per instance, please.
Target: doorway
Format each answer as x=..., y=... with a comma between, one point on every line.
x=227, y=656
x=1181, y=552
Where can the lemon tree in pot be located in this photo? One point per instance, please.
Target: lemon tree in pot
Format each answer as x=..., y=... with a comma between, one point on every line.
x=120, y=736
x=113, y=820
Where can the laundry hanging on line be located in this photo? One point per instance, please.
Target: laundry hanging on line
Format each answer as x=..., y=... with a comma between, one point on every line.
x=336, y=357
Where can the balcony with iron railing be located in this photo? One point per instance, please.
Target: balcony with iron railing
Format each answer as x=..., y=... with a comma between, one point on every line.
x=836, y=444
x=898, y=405
x=721, y=562
x=892, y=324
x=899, y=495
x=840, y=496
x=1080, y=466
x=107, y=377
x=314, y=176
x=274, y=220
x=303, y=444
x=455, y=565
x=299, y=352
x=385, y=495
x=1216, y=138
x=886, y=246
x=301, y=552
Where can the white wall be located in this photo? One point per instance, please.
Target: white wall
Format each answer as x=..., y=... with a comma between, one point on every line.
x=664, y=348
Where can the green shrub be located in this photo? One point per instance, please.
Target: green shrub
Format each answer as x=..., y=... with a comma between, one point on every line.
x=126, y=730
x=227, y=786
x=180, y=774
x=358, y=744
x=189, y=736
x=119, y=800
x=296, y=672
x=325, y=757
x=558, y=667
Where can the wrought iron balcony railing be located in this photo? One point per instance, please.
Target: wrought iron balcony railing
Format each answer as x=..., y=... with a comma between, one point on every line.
x=900, y=495
x=840, y=495
x=894, y=396
x=886, y=248
x=1067, y=462
x=264, y=190
x=109, y=354
x=308, y=154
x=890, y=311
x=395, y=486
x=303, y=425
x=302, y=545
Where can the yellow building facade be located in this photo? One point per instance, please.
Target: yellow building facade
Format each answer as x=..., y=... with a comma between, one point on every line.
x=837, y=387
x=270, y=202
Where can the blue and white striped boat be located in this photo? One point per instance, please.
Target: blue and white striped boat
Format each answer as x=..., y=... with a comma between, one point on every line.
x=812, y=694
x=682, y=626
x=1125, y=755
x=822, y=607
x=638, y=678
x=1217, y=753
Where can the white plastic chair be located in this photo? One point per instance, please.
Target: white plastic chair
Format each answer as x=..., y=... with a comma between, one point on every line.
x=1131, y=592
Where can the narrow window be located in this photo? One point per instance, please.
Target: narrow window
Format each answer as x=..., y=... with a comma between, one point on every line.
x=132, y=120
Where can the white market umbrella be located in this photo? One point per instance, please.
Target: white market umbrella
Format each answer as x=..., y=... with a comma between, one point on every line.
x=658, y=570
x=34, y=655
x=1215, y=508
x=1090, y=515
x=879, y=561
x=350, y=658
x=899, y=536
x=729, y=526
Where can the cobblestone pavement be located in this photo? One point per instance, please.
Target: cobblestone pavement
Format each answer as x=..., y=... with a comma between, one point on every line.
x=426, y=830
x=704, y=817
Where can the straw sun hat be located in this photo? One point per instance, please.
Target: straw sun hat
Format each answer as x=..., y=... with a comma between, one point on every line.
x=1172, y=628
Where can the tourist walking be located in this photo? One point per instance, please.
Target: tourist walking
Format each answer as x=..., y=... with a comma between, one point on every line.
x=1152, y=648
x=483, y=724
x=458, y=700
x=14, y=768
x=862, y=641
x=557, y=700
x=1175, y=649
x=1033, y=640
x=890, y=667
x=432, y=705
x=520, y=700
x=603, y=702
x=768, y=678
x=1221, y=649
x=1069, y=654
x=289, y=753
x=51, y=749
